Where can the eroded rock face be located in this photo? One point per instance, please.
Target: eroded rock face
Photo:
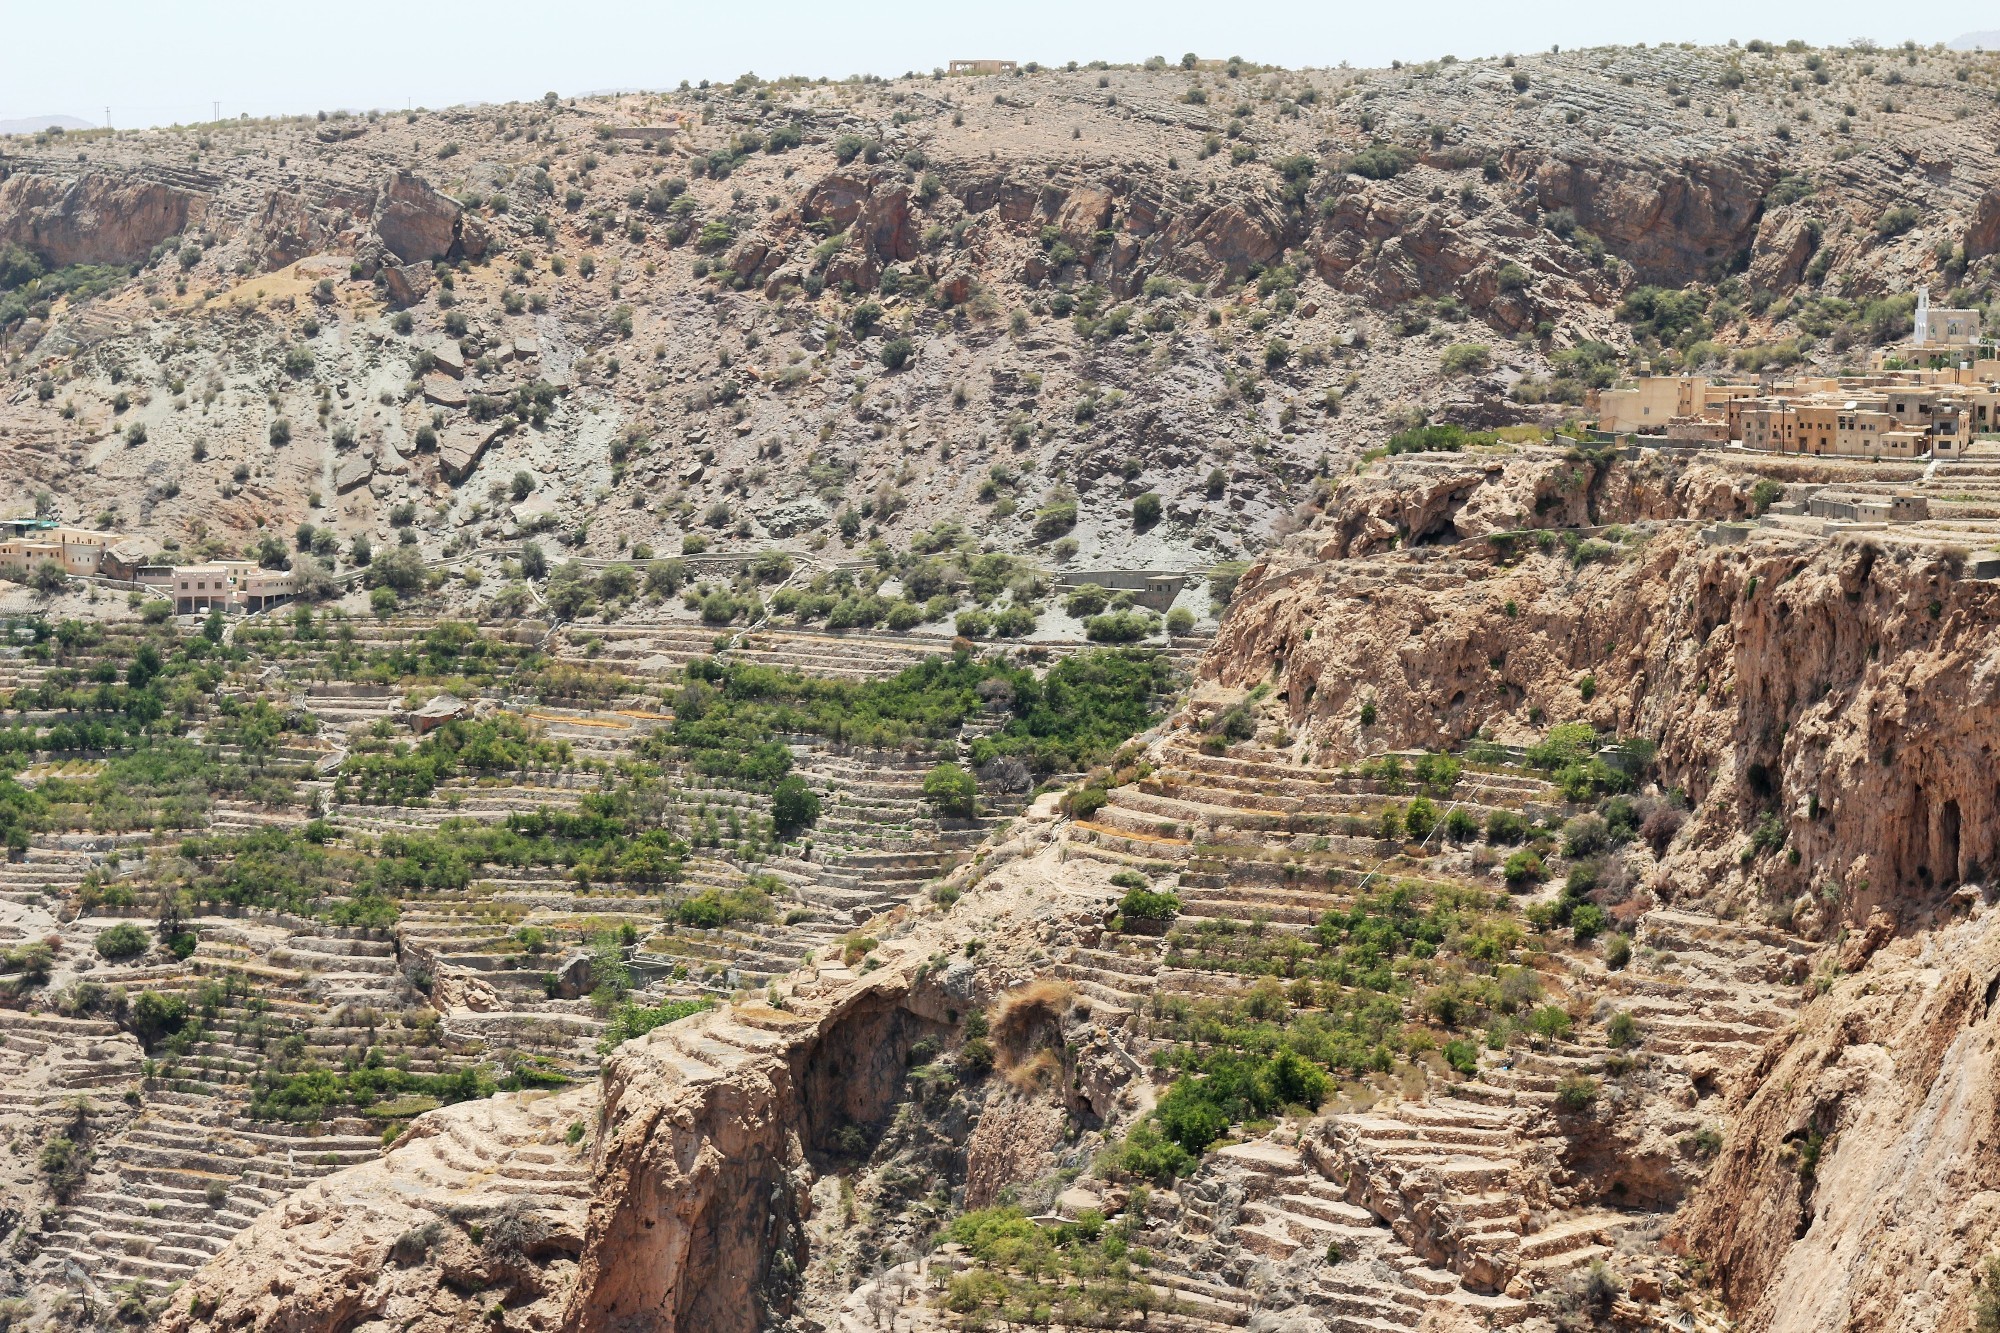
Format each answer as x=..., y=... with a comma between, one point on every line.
x=1849, y=691
x=95, y=218
x=1670, y=220
x=1855, y=1188
x=1786, y=240
x=416, y=222
x=1983, y=237
x=476, y=1204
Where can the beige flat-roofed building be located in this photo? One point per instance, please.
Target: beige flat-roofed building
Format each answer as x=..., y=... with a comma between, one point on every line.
x=75, y=550
x=230, y=585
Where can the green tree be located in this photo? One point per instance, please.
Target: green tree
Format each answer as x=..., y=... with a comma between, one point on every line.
x=401, y=568
x=122, y=941
x=951, y=790
x=794, y=806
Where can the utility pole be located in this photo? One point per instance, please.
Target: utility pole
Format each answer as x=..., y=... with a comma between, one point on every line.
x=107, y=118
x=218, y=111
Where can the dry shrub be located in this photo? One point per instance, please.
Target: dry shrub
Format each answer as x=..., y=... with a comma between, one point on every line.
x=1034, y=1074
x=1023, y=1015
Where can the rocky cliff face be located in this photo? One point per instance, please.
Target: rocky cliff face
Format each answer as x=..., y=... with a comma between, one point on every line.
x=1853, y=1191
x=1842, y=689
x=94, y=217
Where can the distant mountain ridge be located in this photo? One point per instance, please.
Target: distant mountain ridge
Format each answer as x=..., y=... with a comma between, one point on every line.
x=1977, y=41
x=36, y=124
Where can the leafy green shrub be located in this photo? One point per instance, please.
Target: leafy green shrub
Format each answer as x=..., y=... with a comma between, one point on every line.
x=1575, y=1093
x=1054, y=519
x=1379, y=161
x=1551, y=1022
x=1198, y=1110
x=951, y=790
x=1622, y=1031
x=1523, y=868
x=1466, y=359
x=1895, y=220
x=1462, y=1056
x=1087, y=599
x=713, y=908
x=1434, y=439
x=1146, y=905
x=794, y=806
x=122, y=941
x=1420, y=819
x=1585, y=835
x=65, y=1165
x=1587, y=921
x=1086, y=801
x=1121, y=627
x=1148, y=1154
x=153, y=1016
x=631, y=1020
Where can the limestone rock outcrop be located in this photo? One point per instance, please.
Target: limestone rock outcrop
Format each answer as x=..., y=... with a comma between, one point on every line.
x=476, y=1204
x=1848, y=691
x=417, y=223
x=1855, y=1189
x=93, y=218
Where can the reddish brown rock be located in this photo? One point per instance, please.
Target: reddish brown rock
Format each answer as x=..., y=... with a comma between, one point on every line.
x=416, y=222
x=1785, y=242
x=96, y=218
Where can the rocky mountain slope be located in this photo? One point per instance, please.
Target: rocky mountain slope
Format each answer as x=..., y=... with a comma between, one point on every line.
x=749, y=309
x=1705, y=1048
x=1541, y=909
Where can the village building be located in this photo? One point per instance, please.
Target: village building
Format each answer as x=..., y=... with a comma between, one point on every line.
x=230, y=586
x=28, y=544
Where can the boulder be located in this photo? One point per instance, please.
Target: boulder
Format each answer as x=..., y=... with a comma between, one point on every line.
x=407, y=283
x=460, y=446
x=793, y=517
x=1785, y=242
x=1083, y=215
x=472, y=237
x=415, y=222
x=836, y=199
x=955, y=287
x=448, y=357
x=1983, y=236
x=354, y=470
x=444, y=391
x=748, y=259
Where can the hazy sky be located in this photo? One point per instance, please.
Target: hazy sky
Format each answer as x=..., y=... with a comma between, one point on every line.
x=156, y=63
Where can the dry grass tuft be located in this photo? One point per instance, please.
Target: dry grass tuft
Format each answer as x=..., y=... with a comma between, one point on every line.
x=1019, y=1014
x=1035, y=1074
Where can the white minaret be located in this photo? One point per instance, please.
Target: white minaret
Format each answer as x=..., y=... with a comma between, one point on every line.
x=1922, y=333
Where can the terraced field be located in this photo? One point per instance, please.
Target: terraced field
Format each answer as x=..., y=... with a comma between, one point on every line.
x=300, y=923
